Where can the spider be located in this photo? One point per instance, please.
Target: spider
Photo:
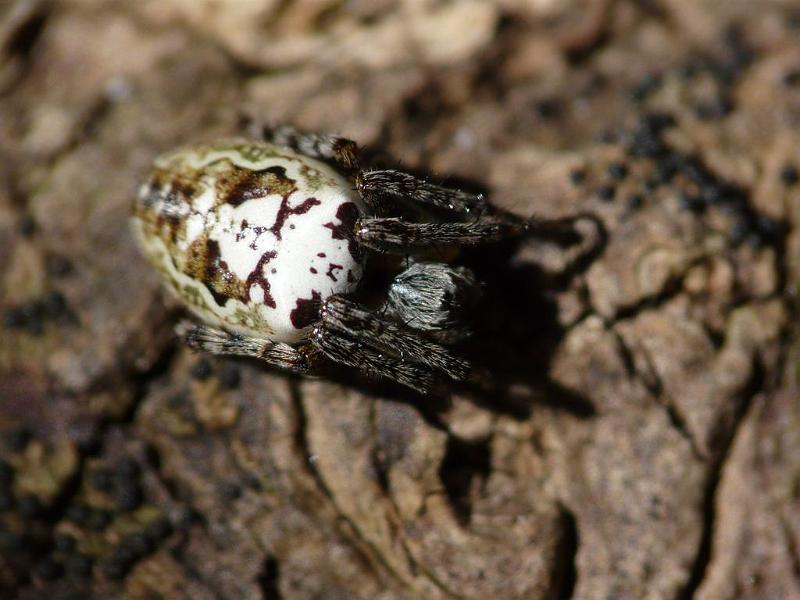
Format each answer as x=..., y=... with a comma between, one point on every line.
x=266, y=242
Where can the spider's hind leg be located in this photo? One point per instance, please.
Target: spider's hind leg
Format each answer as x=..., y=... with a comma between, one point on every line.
x=217, y=341
x=353, y=335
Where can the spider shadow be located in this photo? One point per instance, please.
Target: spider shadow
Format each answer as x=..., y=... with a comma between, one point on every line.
x=517, y=328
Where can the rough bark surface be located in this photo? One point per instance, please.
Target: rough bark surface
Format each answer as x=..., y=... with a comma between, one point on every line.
x=643, y=440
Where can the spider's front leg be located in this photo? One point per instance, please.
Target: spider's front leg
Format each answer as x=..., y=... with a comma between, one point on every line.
x=355, y=336
x=339, y=151
x=380, y=185
x=397, y=236
x=465, y=222
x=217, y=341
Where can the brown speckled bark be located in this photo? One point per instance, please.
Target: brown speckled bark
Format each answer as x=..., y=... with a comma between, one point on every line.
x=639, y=436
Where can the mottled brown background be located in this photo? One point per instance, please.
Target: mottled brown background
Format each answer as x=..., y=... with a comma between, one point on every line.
x=646, y=443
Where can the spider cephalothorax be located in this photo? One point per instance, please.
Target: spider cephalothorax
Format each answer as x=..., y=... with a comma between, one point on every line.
x=266, y=243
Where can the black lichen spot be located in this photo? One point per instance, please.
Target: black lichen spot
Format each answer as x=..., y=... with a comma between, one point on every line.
x=48, y=569
x=618, y=170
x=14, y=318
x=769, y=230
x=714, y=109
x=692, y=203
x=78, y=514
x=6, y=499
x=651, y=184
x=64, y=543
x=17, y=439
x=229, y=490
x=646, y=87
x=29, y=507
x=158, y=530
x=646, y=141
x=128, y=496
x=138, y=545
x=201, y=370
x=26, y=226
x=635, y=201
x=78, y=565
x=98, y=519
x=606, y=193
x=6, y=472
x=789, y=175
x=127, y=468
x=114, y=568
x=54, y=306
x=229, y=376
x=306, y=311
x=667, y=167
x=577, y=177
x=791, y=78
x=691, y=68
x=10, y=541
x=608, y=136
x=548, y=109
x=58, y=266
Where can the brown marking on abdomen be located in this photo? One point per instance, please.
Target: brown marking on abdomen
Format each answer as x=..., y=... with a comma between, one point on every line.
x=347, y=213
x=285, y=211
x=164, y=204
x=331, y=268
x=306, y=311
x=241, y=184
x=204, y=264
x=257, y=277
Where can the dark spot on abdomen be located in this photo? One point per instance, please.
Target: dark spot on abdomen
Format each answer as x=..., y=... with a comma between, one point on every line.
x=257, y=277
x=347, y=214
x=331, y=268
x=306, y=311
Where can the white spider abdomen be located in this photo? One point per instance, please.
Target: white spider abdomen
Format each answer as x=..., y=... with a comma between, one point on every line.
x=249, y=235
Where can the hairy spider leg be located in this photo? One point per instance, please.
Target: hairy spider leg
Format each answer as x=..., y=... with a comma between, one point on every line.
x=345, y=350
x=340, y=151
x=377, y=185
x=341, y=315
x=396, y=236
x=217, y=341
